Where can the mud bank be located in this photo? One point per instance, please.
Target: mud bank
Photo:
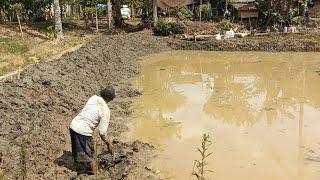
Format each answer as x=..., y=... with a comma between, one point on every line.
x=275, y=43
x=36, y=109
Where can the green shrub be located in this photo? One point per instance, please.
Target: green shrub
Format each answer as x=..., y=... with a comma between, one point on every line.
x=181, y=13
x=49, y=32
x=164, y=28
x=226, y=25
x=178, y=28
x=90, y=10
x=206, y=12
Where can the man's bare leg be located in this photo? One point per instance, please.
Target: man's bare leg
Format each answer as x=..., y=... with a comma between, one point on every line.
x=92, y=167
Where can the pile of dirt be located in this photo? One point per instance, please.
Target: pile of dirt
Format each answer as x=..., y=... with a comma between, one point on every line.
x=200, y=28
x=36, y=110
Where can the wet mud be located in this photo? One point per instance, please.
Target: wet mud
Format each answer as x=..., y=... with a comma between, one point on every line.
x=36, y=110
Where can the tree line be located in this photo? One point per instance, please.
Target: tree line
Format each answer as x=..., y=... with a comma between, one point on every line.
x=271, y=11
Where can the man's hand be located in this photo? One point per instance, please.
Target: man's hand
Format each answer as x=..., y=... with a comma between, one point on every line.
x=110, y=147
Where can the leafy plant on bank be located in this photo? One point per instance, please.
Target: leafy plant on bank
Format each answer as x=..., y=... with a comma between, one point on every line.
x=164, y=28
x=181, y=13
x=199, y=167
x=206, y=12
x=226, y=24
x=279, y=13
x=49, y=32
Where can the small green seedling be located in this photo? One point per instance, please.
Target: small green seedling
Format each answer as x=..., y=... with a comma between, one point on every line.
x=199, y=167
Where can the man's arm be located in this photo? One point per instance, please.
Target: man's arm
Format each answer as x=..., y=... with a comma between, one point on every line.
x=103, y=126
x=106, y=140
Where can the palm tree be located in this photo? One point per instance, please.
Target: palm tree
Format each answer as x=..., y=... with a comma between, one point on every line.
x=57, y=20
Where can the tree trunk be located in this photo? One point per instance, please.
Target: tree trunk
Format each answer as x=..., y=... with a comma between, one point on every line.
x=97, y=23
x=118, y=20
x=200, y=11
x=225, y=9
x=132, y=9
x=81, y=13
x=20, y=25
x=57, y=20
x=109, y=12
x=155, y=13
x=305, y=8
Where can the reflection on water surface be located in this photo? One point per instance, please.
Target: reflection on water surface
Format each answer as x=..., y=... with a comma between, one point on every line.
x=263, y=110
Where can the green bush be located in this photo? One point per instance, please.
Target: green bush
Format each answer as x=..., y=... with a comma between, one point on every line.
x=181, y=13
x=178, y=28
x=49, y=32
x=90, y=10
x=206, y=12
x=226, y=25
x=164, y=28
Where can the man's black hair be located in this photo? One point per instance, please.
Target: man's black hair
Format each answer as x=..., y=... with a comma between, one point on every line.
x=108, y=93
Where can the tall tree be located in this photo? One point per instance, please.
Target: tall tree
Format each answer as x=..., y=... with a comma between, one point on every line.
x=200, y=11
x=109, y=13
x=57, y=20
x=116, y=7
x=305, y=8
x=155, y=13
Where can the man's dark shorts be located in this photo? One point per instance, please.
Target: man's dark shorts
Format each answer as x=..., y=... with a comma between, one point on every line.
x=82, y=147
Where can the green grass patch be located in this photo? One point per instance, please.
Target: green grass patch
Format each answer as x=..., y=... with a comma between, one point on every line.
x=11, y=46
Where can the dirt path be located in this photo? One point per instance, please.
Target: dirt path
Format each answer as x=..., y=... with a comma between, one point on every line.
x=37, y=109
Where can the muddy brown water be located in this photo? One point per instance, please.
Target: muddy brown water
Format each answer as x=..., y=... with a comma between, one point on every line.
x=261, y=109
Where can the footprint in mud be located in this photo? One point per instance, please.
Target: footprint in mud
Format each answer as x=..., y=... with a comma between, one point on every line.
x=318, y=72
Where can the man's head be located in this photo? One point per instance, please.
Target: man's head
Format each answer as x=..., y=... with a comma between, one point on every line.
x=108, y=93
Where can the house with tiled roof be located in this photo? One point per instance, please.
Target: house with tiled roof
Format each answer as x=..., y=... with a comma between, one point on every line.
x=244, y=9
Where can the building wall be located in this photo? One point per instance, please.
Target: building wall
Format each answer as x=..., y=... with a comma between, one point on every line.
x=249, y=14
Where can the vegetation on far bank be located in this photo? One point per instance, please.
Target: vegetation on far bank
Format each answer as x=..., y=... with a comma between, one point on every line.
x=29, y=28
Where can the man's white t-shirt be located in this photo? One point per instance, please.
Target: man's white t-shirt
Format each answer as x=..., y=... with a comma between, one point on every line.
x=95, y=113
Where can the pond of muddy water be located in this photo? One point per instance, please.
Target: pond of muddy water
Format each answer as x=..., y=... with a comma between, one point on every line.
x=261, y=109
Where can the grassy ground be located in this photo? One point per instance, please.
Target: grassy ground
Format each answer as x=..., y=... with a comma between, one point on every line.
x=37, y=44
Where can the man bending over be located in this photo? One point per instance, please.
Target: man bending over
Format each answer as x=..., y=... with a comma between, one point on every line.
x=95, y=113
